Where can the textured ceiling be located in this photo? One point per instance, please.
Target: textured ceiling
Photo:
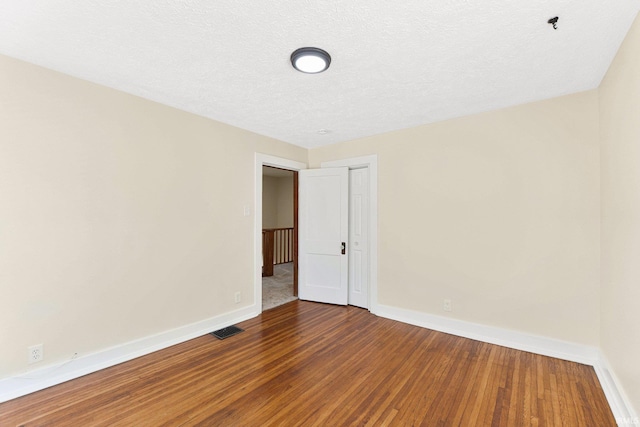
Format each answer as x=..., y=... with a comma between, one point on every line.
x=394, y=64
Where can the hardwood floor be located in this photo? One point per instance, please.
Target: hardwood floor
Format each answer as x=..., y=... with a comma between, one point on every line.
x=320, y=365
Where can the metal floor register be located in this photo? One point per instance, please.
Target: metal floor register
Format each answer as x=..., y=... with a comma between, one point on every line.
x=226, y=332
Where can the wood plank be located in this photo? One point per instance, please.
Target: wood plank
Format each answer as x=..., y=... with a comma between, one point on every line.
x=316, y=364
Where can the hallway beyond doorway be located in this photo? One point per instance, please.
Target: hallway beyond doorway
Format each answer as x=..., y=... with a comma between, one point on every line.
x=278, y=289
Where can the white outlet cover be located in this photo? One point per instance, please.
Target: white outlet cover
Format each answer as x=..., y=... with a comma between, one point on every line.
x=35, y=353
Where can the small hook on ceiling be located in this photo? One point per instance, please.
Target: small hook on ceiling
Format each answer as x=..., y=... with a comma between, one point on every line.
x=553, y=21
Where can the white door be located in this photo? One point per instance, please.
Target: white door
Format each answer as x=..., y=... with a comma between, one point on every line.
x=323, y=206
x=358, y=242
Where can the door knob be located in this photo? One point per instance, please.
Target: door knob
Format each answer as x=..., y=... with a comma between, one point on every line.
x=344, y=248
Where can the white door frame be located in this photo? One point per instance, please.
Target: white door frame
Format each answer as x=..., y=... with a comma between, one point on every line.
x=370, y=162
x=260, y=161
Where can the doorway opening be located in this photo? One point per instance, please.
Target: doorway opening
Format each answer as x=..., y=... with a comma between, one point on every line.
x=262, y=160
x=279, y=236
x=370, y=163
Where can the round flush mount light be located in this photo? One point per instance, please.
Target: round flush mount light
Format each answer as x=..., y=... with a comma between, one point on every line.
x=310, y=60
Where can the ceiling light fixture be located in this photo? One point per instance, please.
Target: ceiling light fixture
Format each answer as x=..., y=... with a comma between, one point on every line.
x=310, y=60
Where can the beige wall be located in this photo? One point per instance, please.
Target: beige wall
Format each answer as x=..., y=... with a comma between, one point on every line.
x=499, y=212
x=119, y=218
x=269, y=202
x=277, y=201
x=620, y=153
x=285, y=201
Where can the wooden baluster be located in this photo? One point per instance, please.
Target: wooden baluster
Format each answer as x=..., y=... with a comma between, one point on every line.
x=267, y=253
x=282, y=245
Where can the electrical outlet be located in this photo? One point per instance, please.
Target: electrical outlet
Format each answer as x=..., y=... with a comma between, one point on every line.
x=238, y=297
x=447, y=306
x=35, y=353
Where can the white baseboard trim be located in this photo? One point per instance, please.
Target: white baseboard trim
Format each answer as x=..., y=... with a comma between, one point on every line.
x=619, y=403
x=29, y=382
x=618, y=400
x=504, y=337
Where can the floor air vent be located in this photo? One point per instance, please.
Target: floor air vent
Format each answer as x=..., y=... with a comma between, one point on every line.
x=226, y=332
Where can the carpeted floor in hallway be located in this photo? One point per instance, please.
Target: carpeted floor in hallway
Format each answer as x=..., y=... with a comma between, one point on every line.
x=278, y=289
